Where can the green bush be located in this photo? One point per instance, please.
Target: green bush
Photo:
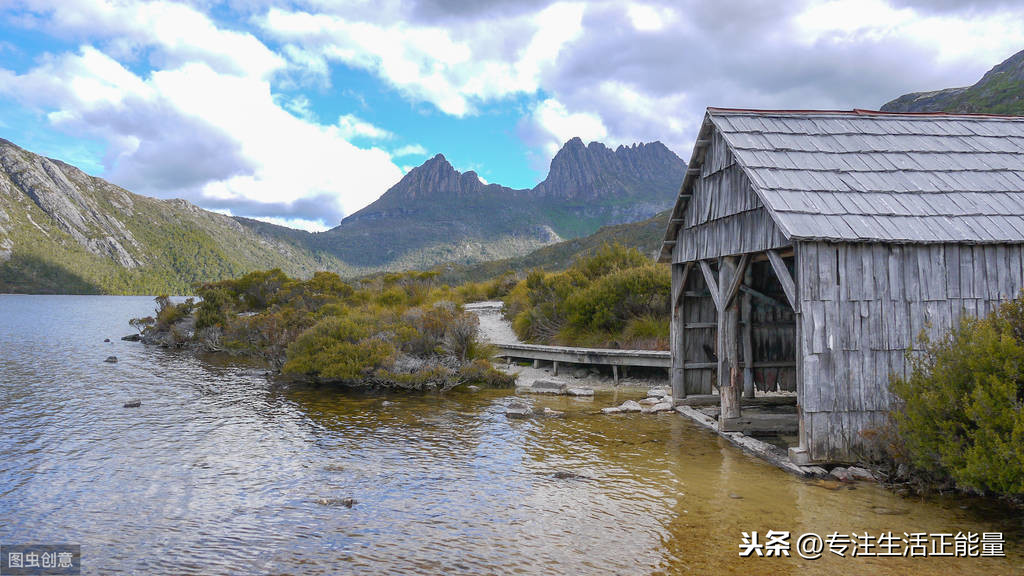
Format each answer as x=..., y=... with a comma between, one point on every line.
x=596, y=302
x=959, y=416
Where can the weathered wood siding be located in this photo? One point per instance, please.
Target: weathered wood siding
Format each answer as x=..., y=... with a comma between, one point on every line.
x=863, y=305
x=699, y=342
x=773, y=332
x=724, y=215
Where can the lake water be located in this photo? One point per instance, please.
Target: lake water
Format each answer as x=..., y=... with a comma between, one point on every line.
x=223, y=471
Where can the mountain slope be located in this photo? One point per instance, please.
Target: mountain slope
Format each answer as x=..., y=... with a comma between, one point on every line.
x=63, y=231
x=645, y=236
x=1000, y=91
x=436, y=214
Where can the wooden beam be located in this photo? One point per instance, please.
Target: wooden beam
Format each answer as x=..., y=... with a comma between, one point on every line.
x=737, y=280
x=709, y=277
x=746, y=309
x=730, y=375
x=764, y=297
x=702, y=143
x=788, y=286
x=693, y=170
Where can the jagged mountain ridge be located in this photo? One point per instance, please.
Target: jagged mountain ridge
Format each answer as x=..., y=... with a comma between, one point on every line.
x=1000, y=91
x=63, y=231
x=437, y=214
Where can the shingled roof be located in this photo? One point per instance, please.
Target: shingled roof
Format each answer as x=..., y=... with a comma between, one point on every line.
x=866, y=176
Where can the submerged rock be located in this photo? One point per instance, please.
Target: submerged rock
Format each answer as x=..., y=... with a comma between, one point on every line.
x=473, y=388
x=580, y=392
x=611, y=410
x=552, y=413
x=566, y=475
x=111, y=359
x=518, y=410
x=106, y=339
x=347, y=502
x=133, y=404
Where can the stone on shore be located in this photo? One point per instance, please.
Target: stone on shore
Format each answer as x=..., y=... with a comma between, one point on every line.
x=548, y=387
x=580, y=392
x=858, y=473
x=473, y=388
x=111, y=359
x=841, y=474
x=658, y=392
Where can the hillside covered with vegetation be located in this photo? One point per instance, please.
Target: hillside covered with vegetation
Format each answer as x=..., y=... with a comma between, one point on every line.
x=1000, y=91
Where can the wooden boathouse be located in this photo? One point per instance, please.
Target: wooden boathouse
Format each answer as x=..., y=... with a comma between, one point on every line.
x=809, y=249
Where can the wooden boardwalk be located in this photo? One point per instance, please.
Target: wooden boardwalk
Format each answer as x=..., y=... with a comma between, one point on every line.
x=585, y=356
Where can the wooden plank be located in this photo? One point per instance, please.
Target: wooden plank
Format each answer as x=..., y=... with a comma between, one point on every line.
x=709, y=278
x=759, y=424
x=952, y=258
x=748, y=346
x=785, y=279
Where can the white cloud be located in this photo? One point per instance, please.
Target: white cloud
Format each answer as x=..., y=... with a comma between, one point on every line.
x=453, y=68
x=557, y=125
x=409, y=150
x=350, y=126
x=204, y=124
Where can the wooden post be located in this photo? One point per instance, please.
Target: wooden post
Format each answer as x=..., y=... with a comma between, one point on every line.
x=536, y=363
x=554, y=368
x=730, y=376
x=746, y=314
x=615, y=374
x=677, y=332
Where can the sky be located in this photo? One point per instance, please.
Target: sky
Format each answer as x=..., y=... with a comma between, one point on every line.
x=302, y=112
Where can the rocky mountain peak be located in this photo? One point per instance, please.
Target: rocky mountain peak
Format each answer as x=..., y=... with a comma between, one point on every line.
x=594, y=170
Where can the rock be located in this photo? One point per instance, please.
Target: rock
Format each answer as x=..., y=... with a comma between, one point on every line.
x=580, y=373
x=883, y=511
x=518, y=410
x=387, y=403
x=630, y=406
x=473, y=388
x=565, y=475
x=552, y=413
x=735, y=496
x=658, y=392
x=611, y=410
x=580, y=392
x=548, y=387
x=347, y=502
x=858, y=473
x=132, y=337
x=841, y=474
x=662, y=407
x=650, y=401
x=133, y=404
x=106, y=339
x=111, y=359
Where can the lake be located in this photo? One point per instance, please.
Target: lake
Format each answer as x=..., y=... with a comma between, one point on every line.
x=222, y=470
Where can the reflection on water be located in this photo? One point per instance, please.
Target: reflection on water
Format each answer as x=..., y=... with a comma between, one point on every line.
x=222, y=471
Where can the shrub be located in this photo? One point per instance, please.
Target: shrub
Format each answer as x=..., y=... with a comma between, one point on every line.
x=959, y=414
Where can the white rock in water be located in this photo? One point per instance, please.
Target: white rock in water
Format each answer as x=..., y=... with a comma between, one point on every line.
x=658, y=392
x=650, y=401
x=612, y=410
x=631, y=406
x=580, y=392
x=662, y=407
x=553, y=413
x=841, y=474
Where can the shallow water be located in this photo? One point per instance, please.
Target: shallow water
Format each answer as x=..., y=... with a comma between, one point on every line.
x=222, y=471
